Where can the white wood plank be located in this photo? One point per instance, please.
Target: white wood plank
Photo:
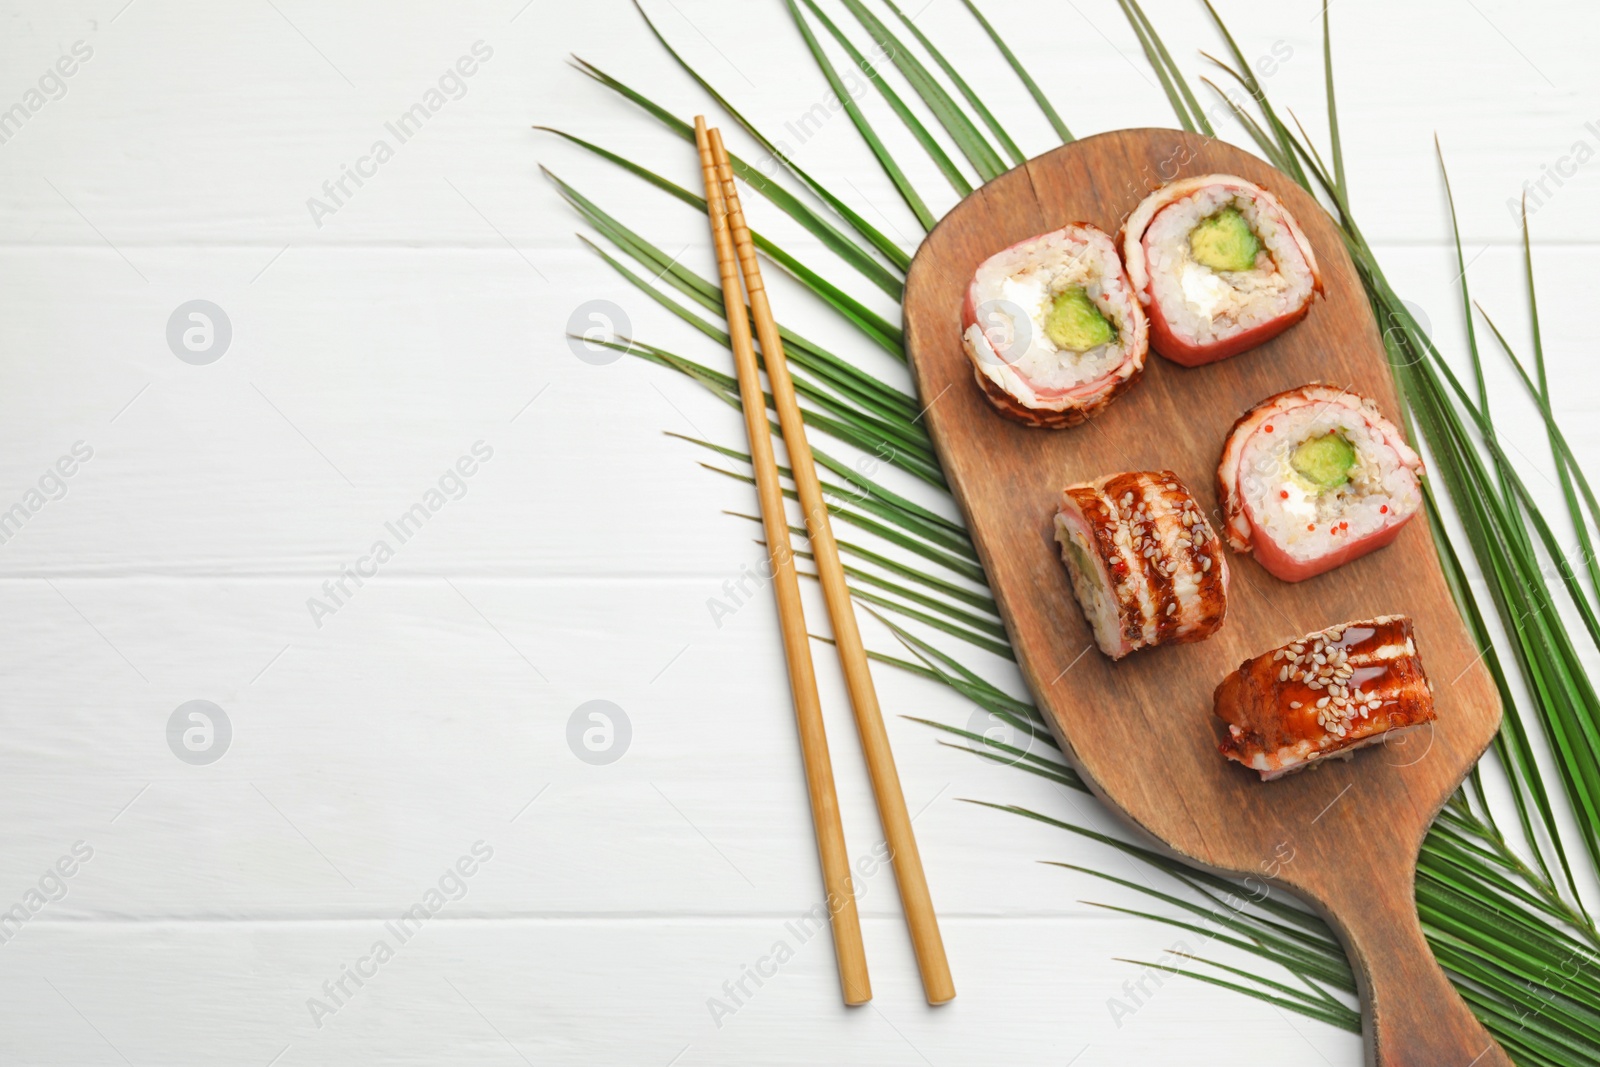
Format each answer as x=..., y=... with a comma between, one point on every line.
x=266, y=107
x=385, y=368
x=626, y=992
x=361, y=750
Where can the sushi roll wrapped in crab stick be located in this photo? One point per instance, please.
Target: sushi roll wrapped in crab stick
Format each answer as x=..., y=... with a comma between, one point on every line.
x=1220, y=266
x=1325, y=695
x=1146, y=567
x=1314, y=477
x=1052, y=327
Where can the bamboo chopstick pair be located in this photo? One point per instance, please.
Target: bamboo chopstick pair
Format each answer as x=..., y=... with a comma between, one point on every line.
x=736, y=256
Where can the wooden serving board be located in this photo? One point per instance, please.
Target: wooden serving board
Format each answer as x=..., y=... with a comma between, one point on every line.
x=1344, y=836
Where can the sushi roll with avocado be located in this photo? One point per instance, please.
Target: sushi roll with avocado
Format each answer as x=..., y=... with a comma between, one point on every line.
x=1220, y=266
x=1145, y=565
x=1052, y=327
x=1313, y=478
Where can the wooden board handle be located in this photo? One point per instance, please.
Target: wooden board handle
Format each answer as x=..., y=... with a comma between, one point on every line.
x=1412, y=1016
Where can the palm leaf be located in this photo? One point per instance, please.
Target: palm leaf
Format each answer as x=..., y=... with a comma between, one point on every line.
x=1022, y=73
x=845, y=246
x=883, y=333
x=961, y=129
x=902, y=184
x=955, y=78
x=1497, y=919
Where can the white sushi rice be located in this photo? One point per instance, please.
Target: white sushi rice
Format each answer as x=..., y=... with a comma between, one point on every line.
x=1013, y=292
x=1298, y=515
x=1095, y=596
x=1205, y=305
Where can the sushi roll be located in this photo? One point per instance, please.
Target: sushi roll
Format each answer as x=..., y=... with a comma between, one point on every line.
x=1220, y=265
x=1146, y=567
x=1313, y=478
x=1327, y=694
x=1052, y=327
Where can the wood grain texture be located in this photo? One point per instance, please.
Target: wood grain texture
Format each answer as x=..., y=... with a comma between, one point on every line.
x=1345, y=836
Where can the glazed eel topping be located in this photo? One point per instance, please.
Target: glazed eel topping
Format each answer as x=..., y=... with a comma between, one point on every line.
x=1327, y=694
x=1146, y=566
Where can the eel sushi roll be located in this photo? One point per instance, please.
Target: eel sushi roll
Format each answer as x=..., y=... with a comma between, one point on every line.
x=1313, y=478
x=1146, y=567
x=1220, y=265
x=1327, y=694
x=1053, y=329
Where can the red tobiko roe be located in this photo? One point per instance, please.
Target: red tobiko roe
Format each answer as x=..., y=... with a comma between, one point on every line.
x=1281, y=565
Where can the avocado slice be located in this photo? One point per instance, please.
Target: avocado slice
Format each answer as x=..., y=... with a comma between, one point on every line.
x=1080, y=556
x=1224, y=241
x=1324, y=461
x=1075, y=324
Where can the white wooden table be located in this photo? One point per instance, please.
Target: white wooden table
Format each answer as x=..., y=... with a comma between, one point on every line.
x=420, y=718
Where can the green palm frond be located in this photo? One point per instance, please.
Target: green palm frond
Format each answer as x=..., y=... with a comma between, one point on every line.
x=847, y=247
x=1000, y=135
x=1021, y=72
x=1503, y=914
x=961, y=129
x=885, y=158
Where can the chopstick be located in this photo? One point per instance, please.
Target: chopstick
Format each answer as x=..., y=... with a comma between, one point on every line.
x=848, y=949
x=915, y=899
